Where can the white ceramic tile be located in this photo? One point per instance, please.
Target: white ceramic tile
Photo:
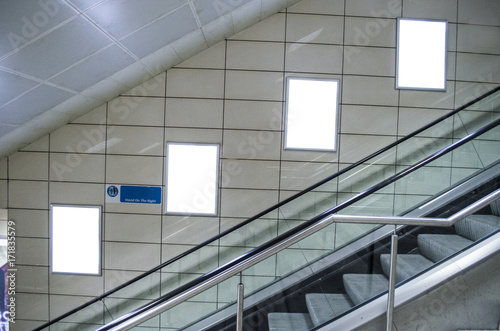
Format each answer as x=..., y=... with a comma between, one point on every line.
x=314, y=58
x=257, y=115
x=211, y=58
x=270, y=29
x=131, y=256
x=468, y=91
x=370, y=61
x=478, y=39
x=411, y=152
x=96, y=116
x=316, y=29
x=355, y=147
x=132, y=228
x=300, y=175
x=190, y=135
x=32, y=279
x=428, y=9
x=246, y=203
x=144, y=288
x=30, y=223
x=188, y=229
x=348, y=232
x=154, y=87
x=175, y=318
x=428, y=99
x=60, y=304
x=411, y=119
x=202, y=113
x=482, y=12
x=32, y=251
x=32, y=306
x=4, y=193
x=41, y=145
x=254, y=85
x=374, y=8
x=251, y=174
x=359, y=180
x=369, y=120
x=307, y=156
x=428, y=181
x=3, y=168
x=76, y=193
x=78, y=138
x=147, y=111
x=200, y=261
x=134, y=170
x=29, y=166
x=77, y=167
x=369, y=91
x=247, y=144
x=26, y=194
x=129, y=140
x=253, y=234
x=476, y=67
x=195, y=83
x=226, y=290
x=250, y=55
x=361, y=31
x=324, y=7
x=76, y=285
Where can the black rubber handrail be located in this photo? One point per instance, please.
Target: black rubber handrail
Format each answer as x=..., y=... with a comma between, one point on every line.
x=301, y=227
x=236, y=227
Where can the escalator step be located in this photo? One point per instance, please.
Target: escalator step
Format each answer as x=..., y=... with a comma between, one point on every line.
x=361, y=287
x=323, y=307
x=436, y=247
x=408, y=265
x=476, y=227
x=289, y=322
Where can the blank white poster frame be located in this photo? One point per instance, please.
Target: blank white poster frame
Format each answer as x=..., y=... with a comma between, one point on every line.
x=75, y=243
x=421, y=54
x=311, y=114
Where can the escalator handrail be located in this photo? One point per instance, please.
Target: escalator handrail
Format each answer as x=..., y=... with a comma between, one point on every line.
x=278, y=205
x=277, y=241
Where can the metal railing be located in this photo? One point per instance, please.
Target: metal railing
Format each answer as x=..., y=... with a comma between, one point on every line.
x=239, y=267
x=291, y=237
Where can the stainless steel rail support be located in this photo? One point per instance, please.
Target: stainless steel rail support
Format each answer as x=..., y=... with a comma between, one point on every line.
x=239, y=306
x=392, y=281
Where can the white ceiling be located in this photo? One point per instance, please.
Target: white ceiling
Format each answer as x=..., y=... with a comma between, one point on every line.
x=62, y=58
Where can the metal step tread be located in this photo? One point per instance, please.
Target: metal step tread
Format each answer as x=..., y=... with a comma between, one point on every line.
x=361, y=287
x=323, y=307
x=436, y=247
x=407, y=265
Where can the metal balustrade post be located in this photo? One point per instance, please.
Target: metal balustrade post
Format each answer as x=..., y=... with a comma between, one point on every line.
x=239, y=305
x=392, y=281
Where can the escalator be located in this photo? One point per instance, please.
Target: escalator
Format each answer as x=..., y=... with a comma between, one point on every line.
x=301, y=268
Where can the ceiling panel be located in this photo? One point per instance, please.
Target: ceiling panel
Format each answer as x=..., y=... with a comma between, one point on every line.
x=210, y=10
x=13, y=85
x=164, y=31
x=97, y=67
x=122, y=18
x=23, y=21
x=33, y=103
x=58, y=50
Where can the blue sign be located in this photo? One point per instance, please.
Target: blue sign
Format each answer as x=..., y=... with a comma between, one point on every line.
x=133, y=194
x=140, y=194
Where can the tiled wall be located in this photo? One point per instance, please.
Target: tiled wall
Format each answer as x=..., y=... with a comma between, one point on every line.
x=232, y=94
